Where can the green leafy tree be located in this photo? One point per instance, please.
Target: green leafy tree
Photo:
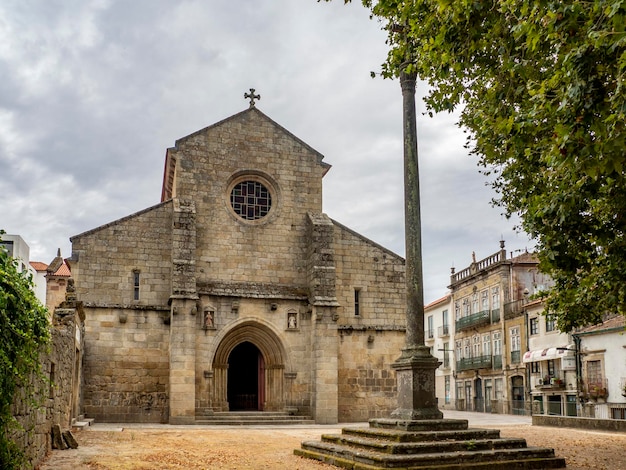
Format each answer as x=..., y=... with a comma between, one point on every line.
x=541, y=90
x=24, y=329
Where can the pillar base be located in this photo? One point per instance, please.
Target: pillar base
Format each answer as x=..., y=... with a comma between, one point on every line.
x=415, y=372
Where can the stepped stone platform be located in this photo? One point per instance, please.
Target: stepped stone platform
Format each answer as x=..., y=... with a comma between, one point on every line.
x=250, y=418
x=438, y=444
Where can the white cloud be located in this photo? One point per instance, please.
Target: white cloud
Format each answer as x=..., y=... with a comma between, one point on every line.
x=93, y=92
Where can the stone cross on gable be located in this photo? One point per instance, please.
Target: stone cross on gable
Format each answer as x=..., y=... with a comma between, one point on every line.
x=252, y=97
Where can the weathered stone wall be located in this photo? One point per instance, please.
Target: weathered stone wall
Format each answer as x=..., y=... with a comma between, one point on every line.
x=104, y=260
x=61, y=365
x=372, y=340
x=377, y=273
x=613, y=425
x=267, y=251
x=126, y=364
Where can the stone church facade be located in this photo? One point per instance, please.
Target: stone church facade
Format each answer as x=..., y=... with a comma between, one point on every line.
x=236, y=292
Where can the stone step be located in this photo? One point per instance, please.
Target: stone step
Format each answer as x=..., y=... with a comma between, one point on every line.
x=359, y=459
x=422, y=436
x=426, y=444
x=251, y=418
x=82, y=422
x=208, y=422
x=425, y=447
x=419, y=425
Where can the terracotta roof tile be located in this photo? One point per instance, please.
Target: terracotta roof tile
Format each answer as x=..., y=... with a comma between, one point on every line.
x=445, y=298
x=613, y=322
x=38, y=265
x=63, y=270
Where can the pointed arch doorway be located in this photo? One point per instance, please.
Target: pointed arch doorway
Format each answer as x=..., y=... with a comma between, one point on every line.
x=246, y=378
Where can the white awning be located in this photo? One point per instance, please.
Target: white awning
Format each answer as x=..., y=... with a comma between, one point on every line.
x=547, y=354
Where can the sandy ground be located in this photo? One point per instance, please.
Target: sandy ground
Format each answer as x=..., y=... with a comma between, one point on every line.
x=192, y=447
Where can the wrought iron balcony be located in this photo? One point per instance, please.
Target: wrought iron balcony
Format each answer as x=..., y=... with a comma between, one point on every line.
x=473, y=321
x=478, y=362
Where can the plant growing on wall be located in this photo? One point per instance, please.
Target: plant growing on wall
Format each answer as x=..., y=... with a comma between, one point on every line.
x=24, y=329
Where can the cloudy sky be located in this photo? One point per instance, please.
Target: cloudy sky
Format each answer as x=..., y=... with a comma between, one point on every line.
x=92, y=93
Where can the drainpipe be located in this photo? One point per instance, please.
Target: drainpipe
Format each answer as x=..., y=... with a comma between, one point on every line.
x=577, y=354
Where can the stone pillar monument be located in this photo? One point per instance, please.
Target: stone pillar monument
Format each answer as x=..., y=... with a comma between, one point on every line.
x=415, y=369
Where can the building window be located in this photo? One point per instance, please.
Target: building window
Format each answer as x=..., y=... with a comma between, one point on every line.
x=550, y=323
x=487, y=345
x=618, y=413
x=515, y=345
x=495, y=297
x=457, y=310
x=430, y=332
x=466, y=307
x=515, y=338
x=551, y=368
x=444, y=322
x=594, y=372
x=446, y=355
x=466, y=349
x=497, y=343
x=459, y=350
x=484, y=300
x=357, y=302
x=475, y=302
x=534, y=368
x=447, y=389
x=534, y=326
x=136, y=285
x=250, y=200
x=476, y=346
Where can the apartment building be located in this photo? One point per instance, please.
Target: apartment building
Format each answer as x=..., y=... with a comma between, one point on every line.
x=490, y=340
x=438, y=335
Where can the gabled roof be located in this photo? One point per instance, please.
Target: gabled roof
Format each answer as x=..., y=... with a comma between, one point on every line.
x=63, y=271
x=614, y=323
x=58, y=266
x=442, y=300
x=39, y=266
x=170, y=160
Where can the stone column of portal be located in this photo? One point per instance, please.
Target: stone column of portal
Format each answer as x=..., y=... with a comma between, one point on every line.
x=415, y=369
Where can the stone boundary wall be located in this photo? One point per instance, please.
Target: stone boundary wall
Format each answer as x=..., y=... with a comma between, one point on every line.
x=58, y=365
x=595, y=424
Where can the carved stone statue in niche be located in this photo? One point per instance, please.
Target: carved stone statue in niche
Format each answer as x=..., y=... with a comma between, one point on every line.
x=209, y=321
x=292, y=320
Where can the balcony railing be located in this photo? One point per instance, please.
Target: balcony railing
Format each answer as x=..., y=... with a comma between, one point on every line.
x=478, y=362
x=430, y=334
x=472, y=321
x=444, y=330
x=515, y=357
x=497, y=362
